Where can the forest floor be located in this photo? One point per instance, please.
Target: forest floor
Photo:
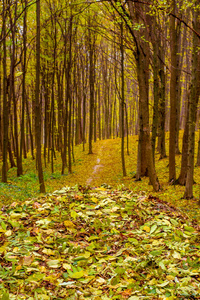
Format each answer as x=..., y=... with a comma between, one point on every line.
x=99, y=244
x=96, y=234
x=102, y=167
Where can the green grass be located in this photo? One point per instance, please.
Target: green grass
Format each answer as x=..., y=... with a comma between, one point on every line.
x=110, y=172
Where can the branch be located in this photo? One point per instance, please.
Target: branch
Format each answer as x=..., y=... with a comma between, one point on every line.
x=11, y=27
x=170, y=14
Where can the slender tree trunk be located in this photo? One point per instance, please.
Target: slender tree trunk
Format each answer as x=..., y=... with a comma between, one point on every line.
x=127, y=131
x=60, y=108
x=30, y=128
x=155, y=107
x=122, y=104
x=53, y=102
x=95, y=117
x=11, y=158
x=12, y=87
x=99, y=111
x=161, y=128
x=198, y=153
x=22, y=140
x=66, y=72
x=1, y=142
x=91, y=59
x=145, y=152
x=37, y=103
x=173, y=104
x=5, y=102
x=184, y=158
x=193, y=101
x=69, y=96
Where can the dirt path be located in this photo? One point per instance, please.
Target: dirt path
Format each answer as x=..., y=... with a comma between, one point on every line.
x=96, y=169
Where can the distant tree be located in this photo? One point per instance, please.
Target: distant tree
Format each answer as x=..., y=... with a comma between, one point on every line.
x=173, y=99
x=122, y=104
x=91, y=45
x=5, y=101
x=22, y=139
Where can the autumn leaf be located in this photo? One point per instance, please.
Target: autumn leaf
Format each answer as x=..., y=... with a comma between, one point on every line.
x=113, y=249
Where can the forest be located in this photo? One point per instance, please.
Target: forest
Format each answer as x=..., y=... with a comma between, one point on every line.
x=99, y=149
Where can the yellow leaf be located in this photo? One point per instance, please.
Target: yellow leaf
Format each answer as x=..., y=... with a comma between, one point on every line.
x=152, y=282
x=43, y=269
x=170, y=277
x=95, y=200
x=77, y=275
x=66, y=266
x=176, y=255
x=86, y=254
x=73, y=214
x=49, y=231
x=148, y=276
x=54, y=263
x=48, y=251
x=68, y=224
x=146, y=228
x=8, y=233
x=100, y=280
x=101, y=189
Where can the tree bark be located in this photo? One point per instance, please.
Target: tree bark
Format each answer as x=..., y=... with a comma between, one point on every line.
x=184, y=158
x=173, y=104
x=91, y=74
x=37, y=103
x=193, y=101
x=5, y=102
x=22, y=140
x=122, y=104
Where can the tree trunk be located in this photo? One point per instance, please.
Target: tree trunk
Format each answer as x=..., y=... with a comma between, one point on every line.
x=193, y=101
x=161, y=128
x=173, y=104
x=145, y=152
x=22, y=140
x=198, y=153
x=91, y=59
x=5, y=102
x=69, y=96
x=183, y=173
x=37, y=103
x=122, y=104
x=156, y=94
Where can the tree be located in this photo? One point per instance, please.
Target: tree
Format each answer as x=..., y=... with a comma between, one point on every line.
x=145, y=163
x=5, y=101
x=22, y=140
x=173, y=104
x=91, y=44
x=122, y=104
x=193, y=101
x=37, y=103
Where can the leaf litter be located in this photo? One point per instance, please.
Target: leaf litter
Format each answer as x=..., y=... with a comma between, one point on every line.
x=98, y=243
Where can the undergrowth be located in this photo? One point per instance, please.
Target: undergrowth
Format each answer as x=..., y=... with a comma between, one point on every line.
x=107, y=154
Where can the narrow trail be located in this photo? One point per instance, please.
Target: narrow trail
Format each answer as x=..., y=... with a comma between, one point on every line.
x=97, y=168
x=104, y=167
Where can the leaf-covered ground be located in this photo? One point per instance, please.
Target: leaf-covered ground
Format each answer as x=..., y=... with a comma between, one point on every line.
x=99, y=243
x=104, y=166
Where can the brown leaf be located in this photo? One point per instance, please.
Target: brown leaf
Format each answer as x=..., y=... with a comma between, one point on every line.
x=27, y=260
